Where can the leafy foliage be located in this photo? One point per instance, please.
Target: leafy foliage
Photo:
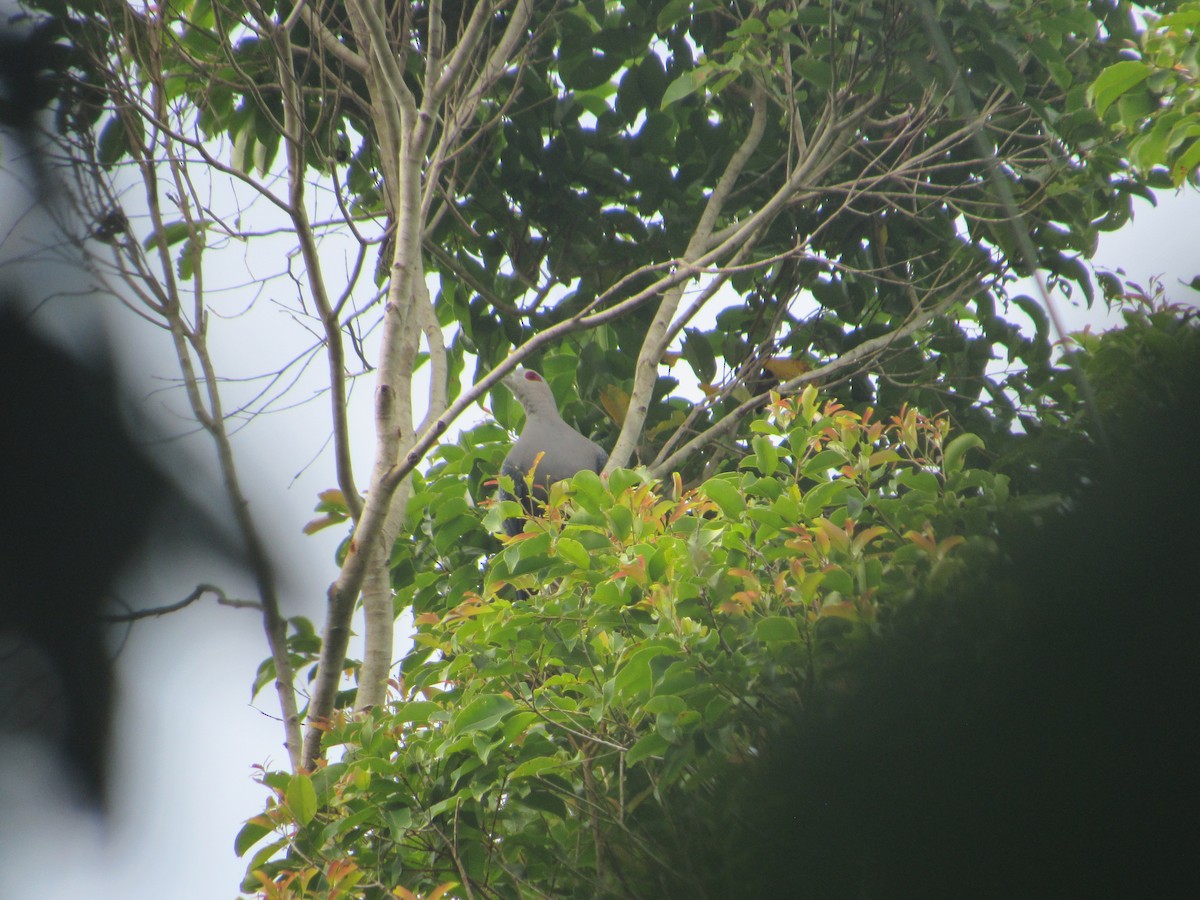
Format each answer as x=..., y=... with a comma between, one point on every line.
x=1155, y=97
x=1137, y=373
x=539, y=747
x=848, y=199
x=605, y=148
x=562, y=745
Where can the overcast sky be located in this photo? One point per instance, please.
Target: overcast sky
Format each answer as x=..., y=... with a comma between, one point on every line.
x=187, y=736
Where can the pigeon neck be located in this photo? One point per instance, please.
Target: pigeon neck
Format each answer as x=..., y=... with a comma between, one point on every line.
x=543, y=409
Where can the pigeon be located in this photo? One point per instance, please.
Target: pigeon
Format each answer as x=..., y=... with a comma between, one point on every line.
x=564, y=451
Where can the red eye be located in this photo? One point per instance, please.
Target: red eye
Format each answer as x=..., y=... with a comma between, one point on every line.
x=532, y=376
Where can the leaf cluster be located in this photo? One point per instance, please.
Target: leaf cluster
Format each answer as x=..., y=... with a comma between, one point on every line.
x=1154, y=98
x=539, y=746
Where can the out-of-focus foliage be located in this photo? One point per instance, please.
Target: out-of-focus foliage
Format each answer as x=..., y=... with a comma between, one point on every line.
x=1154, y=98
x=1135, y=372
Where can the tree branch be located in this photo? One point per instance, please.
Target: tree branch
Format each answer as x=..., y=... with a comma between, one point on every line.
x=658, y=334
x=293, y=120
x=863, y=351
x=199, y=591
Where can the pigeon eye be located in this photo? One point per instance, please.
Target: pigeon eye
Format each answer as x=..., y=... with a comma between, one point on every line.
x=532, y=376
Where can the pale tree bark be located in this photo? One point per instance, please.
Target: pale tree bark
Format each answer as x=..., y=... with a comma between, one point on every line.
x=658, y=336
x=406, y=131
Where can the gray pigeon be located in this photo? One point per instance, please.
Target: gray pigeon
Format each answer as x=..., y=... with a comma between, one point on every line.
x=564, y=450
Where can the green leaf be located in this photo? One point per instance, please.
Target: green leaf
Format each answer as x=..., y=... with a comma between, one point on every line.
x=1186, y=163
x=252, y=832
x=831, y=493
x=482, y=713
x=172, y=234
x=920, y=480
x=681, y=9
x=536, y=766
x=956, y=450
x=419, y=712
x=620, y=480
x=590, y=72
x=726, y=495
x=839, y=580
x=266, y=852
x=573, y=552
x=341, y=826
x=1115, y=81
x=699, y=353
x=819, y=465
x=683, y=86
x=665, y=703
x=815, y=70
x=302, y=798
x=650, y=745
x=777, y=628
x=113, y=142
x=766, y=456
x=636, y=677
x=399, y=821
x=589, y=490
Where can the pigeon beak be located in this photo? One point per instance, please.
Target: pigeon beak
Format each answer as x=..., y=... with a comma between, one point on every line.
x=513, y=378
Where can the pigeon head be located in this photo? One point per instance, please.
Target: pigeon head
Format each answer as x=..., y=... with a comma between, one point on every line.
x=533, y=393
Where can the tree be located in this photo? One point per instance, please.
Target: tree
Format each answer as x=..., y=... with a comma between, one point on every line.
x=602, y=738
x=778, y=195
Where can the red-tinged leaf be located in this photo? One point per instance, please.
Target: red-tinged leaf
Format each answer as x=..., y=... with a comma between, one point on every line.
x=924, y=541
x=635, y=570
x=843, y=610
x=880, y=457
x=332, y=500
x=615, y=402
x=252, y=832
x=861, y=540
x=473, y=606
x=746, y=598
x=836, y=536
x=947, y=544
x=323, y=522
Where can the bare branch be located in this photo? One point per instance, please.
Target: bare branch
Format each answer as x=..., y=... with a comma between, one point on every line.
x=863, y=351
x=658, y=335
x=293, y=119
x=200, y=590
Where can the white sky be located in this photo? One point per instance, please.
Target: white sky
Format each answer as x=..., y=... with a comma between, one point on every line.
x=186, y=736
